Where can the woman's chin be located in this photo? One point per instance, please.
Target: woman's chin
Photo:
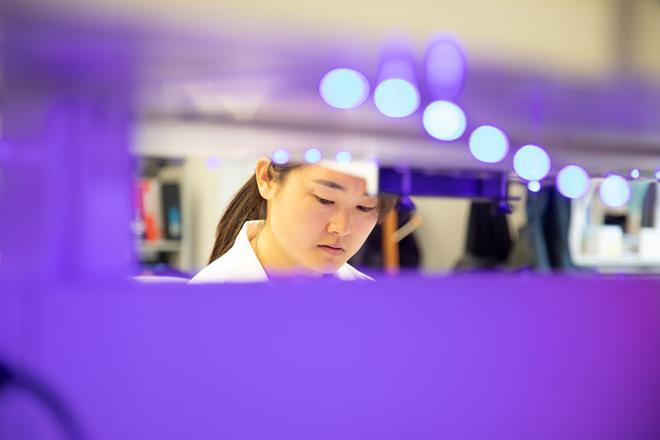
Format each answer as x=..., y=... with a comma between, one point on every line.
x=330, y=267
x=323, y=262
x=325, y=266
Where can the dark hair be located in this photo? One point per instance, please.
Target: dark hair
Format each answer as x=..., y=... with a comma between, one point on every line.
x=248, y=204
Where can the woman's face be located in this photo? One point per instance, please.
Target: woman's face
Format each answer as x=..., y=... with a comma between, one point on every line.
x=321, y=217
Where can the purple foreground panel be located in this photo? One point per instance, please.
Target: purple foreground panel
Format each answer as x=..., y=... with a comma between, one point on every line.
x=479, y=357
x=496, y=357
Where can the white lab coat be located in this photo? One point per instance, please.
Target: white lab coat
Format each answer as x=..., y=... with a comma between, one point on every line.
x=240, y=264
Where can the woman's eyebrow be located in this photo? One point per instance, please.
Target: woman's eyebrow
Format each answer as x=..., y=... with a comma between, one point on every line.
x=333, y=185
x=330, y=184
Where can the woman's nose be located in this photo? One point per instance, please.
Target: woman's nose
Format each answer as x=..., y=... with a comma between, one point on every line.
x=340, y=223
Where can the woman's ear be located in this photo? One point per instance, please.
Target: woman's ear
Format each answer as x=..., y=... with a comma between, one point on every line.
x=264, y=178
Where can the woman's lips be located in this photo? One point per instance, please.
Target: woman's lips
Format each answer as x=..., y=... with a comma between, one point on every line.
x=332, y=250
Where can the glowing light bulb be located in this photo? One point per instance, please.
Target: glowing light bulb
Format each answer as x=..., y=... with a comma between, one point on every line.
x=534, y=186
x=281, y=156
x=312, y=155
x=444, y=120
x=343, y=157
x=488, y=144
x=344, y=88
x=615, y=191
x=573, y=181
x=396, y=98
x=531, y=162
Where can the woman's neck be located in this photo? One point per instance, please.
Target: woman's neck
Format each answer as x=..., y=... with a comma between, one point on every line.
x=274, y=259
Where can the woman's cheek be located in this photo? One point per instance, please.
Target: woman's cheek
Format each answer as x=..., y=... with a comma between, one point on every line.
x=303, y=209
x=320, y=218
x=367, y=224
x=310, y=218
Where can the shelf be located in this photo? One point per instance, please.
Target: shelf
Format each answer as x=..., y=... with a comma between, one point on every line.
x=624, y=262
x=159, y=246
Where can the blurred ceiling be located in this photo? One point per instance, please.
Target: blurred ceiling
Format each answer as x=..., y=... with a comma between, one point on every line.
x=581, y=78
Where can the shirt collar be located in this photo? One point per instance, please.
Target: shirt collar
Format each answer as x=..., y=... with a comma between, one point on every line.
x=243, y=247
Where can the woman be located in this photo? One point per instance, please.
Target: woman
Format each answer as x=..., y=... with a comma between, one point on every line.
x=293, y=220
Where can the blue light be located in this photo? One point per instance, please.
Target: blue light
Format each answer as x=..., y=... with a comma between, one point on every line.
x=634, y=173
x=344, y=88
x=281, y=156
x=343, y=157
x=657, y=175
x=531, y=162
x=312, y=155
x=534, y=186
x=396, y=98
x=444, y=120
x=489, y=144
x=615, y=191
x=573, y=181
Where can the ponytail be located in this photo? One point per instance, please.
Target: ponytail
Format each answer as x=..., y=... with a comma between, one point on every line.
x=246, y=205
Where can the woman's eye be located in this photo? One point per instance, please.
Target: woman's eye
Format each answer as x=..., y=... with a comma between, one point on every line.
x=366, y=208
x=324, y=201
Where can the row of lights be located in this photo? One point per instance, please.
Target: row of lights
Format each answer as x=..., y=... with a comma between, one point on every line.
x=398, y=97
x=311, y=156
x=346, y=89
x=572, y=181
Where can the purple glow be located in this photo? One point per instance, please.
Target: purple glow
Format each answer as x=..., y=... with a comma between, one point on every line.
x=531, y=162
x=445, y=68
x=488, y=144
x=634, y=173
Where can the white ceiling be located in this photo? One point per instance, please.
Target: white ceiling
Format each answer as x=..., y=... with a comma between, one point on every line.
x=580, y=77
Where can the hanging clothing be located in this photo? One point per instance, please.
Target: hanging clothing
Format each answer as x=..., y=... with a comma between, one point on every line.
x=488, y=240
x=649, y=206
x=542, y=244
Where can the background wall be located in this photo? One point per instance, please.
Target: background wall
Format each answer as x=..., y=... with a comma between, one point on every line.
x=578, y=37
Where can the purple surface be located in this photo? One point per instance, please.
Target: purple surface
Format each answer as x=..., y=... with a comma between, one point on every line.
x=479, y=357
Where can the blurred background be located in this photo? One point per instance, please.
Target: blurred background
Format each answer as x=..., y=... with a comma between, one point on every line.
x=441, y=95
x=220, y=83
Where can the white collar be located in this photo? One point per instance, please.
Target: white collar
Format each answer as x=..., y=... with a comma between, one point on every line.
x=240, y=263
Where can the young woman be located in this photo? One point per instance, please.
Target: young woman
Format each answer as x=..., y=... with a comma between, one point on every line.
x=293, y=220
